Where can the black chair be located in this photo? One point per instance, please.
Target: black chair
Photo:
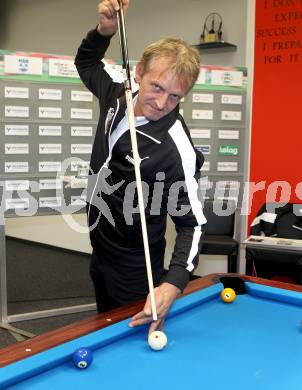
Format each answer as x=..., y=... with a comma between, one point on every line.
x=275, y=262
x=218, y=238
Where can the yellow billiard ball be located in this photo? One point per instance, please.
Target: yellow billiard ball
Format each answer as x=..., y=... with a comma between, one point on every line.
x=228, y=295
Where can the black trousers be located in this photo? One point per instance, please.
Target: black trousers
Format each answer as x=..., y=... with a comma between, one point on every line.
x=104, y=301
x=120, y=281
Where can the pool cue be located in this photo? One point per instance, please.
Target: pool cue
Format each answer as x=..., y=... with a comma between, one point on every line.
x=136, y=158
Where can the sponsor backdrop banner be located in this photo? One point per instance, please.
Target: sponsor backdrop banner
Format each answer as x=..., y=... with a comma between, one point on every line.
x=15, y=65
x=49, y=117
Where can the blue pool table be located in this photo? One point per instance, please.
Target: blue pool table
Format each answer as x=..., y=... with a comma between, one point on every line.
x=254, y=343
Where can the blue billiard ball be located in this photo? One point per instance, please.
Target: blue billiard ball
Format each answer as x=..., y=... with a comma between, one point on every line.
x=82, y=357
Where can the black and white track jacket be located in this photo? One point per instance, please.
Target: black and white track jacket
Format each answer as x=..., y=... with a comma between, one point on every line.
x=170, y=169
x=265, y=222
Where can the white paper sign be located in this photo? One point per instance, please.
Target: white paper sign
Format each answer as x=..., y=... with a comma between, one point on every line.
x=16, y=93
x=79, y=182
x=14, y=185
x=52, y=131
x=205, y=184
x=22, y=65
x=232, y=78
x=228, y=184
x=231, y=115
x=50, y=148
x=16, y=166
x=16, y=111
x=62, y=68
x=223, y=166
x=228, y=134
x=80, y=113
x=16, y=130
x=17, y=203
x=81, y=131
x=49, y=166
x=204, y=149
x=233, y=198
x=202, y=114
x=50, y=201
x=50, y=112
x=50, y=184
x=16, y=148
x=74, y=166
x=231, y=99
x=206, y=166
x=50, y=94
x=200, y=133
x=203, y=98
x=80, y=148
x=81, y=96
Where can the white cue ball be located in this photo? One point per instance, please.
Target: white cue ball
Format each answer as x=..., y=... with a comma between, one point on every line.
x=157, y=340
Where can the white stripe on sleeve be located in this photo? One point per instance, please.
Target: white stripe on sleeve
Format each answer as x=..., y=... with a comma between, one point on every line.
x=188, y=159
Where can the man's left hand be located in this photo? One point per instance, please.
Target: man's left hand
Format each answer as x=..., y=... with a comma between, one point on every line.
x=165, y=295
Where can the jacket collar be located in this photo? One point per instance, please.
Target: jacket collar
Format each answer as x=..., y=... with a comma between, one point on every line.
x=157, y=129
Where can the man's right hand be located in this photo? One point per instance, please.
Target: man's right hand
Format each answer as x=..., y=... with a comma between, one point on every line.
x=107, y=10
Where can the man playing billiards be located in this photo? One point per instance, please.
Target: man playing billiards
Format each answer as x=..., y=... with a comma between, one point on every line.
x=169, y=165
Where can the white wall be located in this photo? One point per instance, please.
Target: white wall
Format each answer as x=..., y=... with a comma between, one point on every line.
x=69, y=232
x=57, y=26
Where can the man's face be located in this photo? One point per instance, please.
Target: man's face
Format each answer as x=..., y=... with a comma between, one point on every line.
x=160, y=90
